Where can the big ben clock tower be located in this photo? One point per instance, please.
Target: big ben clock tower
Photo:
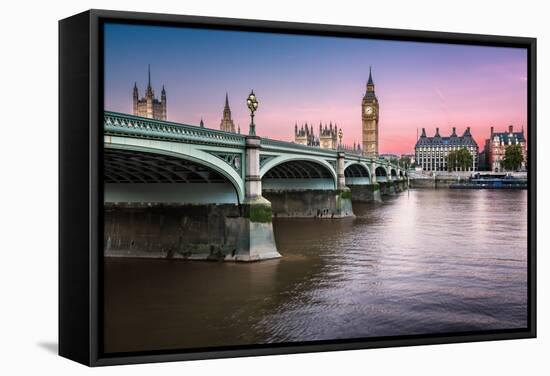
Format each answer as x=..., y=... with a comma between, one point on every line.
x=370, y=114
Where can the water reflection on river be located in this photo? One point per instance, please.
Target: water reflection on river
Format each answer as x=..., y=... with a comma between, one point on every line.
x=424, y=261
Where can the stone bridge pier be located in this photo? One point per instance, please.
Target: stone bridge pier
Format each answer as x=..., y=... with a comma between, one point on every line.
x=362, y=183
x=307, y=188
x=185, y=191
x=254, y=228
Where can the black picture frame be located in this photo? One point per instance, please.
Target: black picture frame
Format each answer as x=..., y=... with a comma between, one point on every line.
x=81, y=185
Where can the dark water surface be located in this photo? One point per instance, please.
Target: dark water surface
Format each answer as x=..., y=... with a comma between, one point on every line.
x=424, y=261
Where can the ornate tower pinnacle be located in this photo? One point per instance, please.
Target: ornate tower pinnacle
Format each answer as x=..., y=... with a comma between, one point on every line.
x=149, y=92
x=135, y=98
x=227, y=124
x=149, y=106
x=163, y=102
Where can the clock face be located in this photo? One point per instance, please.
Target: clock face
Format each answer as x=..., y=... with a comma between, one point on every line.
x=369, y=110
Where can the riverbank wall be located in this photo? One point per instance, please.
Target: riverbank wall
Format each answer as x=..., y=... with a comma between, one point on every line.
x=434, y=183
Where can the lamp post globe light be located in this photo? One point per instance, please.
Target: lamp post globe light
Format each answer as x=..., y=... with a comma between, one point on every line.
x=252, y=103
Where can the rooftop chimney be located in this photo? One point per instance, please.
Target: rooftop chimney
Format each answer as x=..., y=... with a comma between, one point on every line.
x=492, y=131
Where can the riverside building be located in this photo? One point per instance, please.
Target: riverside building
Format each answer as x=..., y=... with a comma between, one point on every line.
x=431, y=152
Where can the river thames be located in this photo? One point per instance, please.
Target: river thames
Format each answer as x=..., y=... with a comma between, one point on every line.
x=421, y=262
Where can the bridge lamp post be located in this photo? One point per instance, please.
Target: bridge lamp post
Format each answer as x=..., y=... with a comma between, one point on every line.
x=252, y=104
x=340, y=135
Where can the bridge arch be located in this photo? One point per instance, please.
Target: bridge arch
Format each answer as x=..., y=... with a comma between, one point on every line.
x=297, y=172
x=393, y=173
x=172, y=164
x=357, y=173
x=381, y=173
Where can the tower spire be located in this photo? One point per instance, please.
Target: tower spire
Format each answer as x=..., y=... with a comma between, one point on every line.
x=149, y=91
x=370, y=81
x=227, y=123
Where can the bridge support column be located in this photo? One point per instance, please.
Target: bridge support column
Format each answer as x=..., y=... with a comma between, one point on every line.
x=343, y=198
x=254, y=228
x=391, y=186
x=253, y=182
x=365, y=193
x=340, y=171
x=372, y=191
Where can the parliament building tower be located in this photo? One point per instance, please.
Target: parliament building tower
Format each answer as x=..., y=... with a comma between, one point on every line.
x=227, y=124
x=149, y=106
x=370, y=115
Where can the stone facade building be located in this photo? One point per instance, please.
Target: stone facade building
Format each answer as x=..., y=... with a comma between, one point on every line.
x=431, y=152
x=305, y=135
x=227, y=123
x=495, y=147
x=149, y=106
x=327, y=138
x=370, y=117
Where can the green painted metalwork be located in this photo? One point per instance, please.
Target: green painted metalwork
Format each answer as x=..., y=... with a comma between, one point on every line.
x=232, y=159
x=135, y=126
x=264, y=158
x=222, y=151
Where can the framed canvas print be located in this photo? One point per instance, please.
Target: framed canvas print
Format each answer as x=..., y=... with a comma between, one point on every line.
x=238, y=187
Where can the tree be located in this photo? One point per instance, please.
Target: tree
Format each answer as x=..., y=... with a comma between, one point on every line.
x=513, y=157
x=459, y=160
x=405, y=162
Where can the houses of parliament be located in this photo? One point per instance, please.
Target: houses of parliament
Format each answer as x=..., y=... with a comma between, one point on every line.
x=328, y=135
x=151, y=107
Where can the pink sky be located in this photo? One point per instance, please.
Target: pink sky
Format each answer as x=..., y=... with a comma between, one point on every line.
x=311, y=79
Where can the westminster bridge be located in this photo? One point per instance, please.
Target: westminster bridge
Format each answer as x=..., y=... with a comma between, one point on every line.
x=184, y=191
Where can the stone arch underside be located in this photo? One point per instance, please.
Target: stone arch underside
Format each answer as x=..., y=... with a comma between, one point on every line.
x=357, y=174
x=381, y=174
x=133, y=176
x=298, y=175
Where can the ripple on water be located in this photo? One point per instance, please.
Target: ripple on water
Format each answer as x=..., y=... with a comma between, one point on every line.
x=430, y=261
